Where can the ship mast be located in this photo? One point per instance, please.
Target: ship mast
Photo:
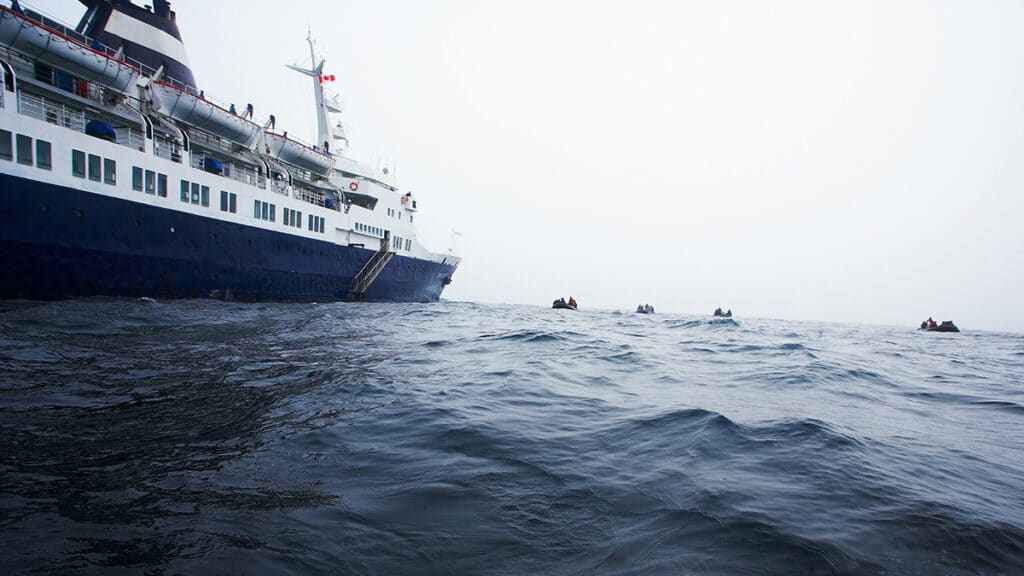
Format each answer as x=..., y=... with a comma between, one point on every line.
x=316, y=72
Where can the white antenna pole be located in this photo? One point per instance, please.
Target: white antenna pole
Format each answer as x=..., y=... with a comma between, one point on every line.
x=316, y=73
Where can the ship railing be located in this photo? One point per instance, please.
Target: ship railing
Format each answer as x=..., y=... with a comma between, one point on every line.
x=42, y=109
x=131, y=137
x=244, y=175
x=167, y=149
x=66, y=82
x=311, y=196
x=279, y=187
x=199, y=163
x=205, y=139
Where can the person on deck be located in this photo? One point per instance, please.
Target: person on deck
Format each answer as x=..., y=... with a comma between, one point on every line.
x=572, y=301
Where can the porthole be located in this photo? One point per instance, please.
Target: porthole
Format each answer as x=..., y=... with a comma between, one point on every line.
x=45, y=207
x=138, y=223
x=80, y=213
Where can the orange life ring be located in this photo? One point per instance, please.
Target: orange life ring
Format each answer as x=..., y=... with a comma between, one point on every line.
x=353, y=186
x=405, y=199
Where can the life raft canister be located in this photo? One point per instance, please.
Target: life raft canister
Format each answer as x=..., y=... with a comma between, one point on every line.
x=353, y=186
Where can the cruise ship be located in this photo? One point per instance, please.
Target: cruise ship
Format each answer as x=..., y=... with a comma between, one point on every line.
x=120, y=177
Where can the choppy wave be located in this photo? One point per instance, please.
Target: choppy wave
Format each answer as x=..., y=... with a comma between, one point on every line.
x=199, y=437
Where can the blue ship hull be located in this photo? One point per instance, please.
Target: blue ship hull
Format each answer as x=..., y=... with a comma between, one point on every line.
x=58, y=242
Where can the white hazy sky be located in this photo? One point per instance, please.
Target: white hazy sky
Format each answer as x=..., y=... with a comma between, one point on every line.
x=858, y=161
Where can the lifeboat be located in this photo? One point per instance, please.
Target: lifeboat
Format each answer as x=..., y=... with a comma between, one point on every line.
x=94, y=65
x=296, y=153
x=190, y=109
x=60, y=51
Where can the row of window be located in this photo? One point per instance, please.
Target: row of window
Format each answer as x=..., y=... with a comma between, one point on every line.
x=92, y=166
x=195, y=193
x=398, y=243
x=228, y=201
x=369, y=229
x=43, y=151
x=263, y=210
x=292, y=218
x=149, y=181
x=100, y=169
x=396, y=213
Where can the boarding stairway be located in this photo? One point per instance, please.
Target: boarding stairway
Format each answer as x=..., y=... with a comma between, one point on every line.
x=361, y=282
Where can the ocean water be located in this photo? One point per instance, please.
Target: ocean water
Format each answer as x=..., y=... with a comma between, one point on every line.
x=197, y=437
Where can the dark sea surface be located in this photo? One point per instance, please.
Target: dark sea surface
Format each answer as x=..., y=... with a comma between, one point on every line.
x=199, y=437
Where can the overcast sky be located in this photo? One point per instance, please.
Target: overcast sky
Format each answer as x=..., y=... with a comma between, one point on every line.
x=855, y=161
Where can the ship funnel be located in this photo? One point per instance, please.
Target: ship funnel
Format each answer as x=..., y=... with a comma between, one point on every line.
x=150, y=37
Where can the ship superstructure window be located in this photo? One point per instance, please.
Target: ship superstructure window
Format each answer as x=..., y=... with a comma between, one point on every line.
x=408, y=245
x=44, y=155
x=78, y=163
x=194, y=193
x=316, y=223
x=6, y=151
x=136, y=178
x=371, y=230
x=110, y=171
x=291, y=217
x=150, y=182
x=400, y=243
x=263, y=210
x=24, y=149
x=161, y=185
x=228, y=201
x=95, y=162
